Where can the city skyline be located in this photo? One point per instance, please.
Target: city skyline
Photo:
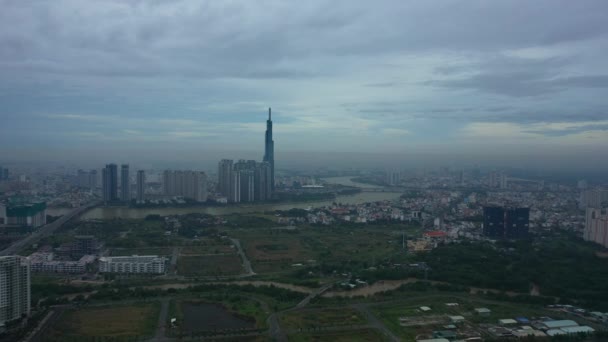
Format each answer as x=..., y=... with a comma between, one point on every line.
x=391, y=78
x=438, y=173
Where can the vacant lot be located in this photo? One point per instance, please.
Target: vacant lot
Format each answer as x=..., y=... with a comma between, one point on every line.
x=207, y=248
x=314, y=318
x=210, y=265
x=415, y=322
x=116, y=321
x=200, y=316
x=161, y=251
x=276, y=251
x=363, y=335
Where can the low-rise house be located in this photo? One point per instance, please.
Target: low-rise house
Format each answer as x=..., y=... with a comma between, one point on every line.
x=133, y=264
x=507, y=321
x=483, y=311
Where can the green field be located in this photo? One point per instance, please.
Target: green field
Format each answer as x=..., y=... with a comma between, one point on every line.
x=363, y=335
x=161, y=251
x=313, y=318
x=129, y=321
x=276, y=251
x=210, y=265
x=209, y=247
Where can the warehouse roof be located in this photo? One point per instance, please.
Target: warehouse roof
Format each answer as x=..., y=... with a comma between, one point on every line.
x=560, y=324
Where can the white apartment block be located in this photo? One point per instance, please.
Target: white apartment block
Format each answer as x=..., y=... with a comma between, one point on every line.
x=596, y=226
x=593, y=198
x=44, y=262
x=15, y=288
x=133, y=264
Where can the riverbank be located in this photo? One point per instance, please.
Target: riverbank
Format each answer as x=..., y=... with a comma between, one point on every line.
x=137, y=213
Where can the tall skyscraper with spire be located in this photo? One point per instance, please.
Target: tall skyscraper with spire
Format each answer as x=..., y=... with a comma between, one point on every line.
x=269, y=150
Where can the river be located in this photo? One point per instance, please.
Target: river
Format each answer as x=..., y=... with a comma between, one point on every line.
x=58, y=211
x=348, y=182
x=138, y=213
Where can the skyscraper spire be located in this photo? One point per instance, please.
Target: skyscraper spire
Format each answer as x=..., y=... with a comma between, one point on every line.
x=269, y=150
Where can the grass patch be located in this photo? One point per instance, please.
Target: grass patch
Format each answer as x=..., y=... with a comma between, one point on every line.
x=207, y=249
x=344, y=248
x=138, y=320
x=313, y=318
x=210, y=265
x=363, y=335
x=161, y=251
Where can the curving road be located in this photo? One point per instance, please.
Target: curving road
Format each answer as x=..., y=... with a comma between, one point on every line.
x=315, y=293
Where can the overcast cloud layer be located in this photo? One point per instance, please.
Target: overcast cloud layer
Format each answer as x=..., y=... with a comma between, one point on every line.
x=341, y=76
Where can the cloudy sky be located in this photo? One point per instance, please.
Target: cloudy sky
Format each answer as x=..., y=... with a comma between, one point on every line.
x=341, y=76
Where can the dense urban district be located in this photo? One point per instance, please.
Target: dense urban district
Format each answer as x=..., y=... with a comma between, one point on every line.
x=352, y=255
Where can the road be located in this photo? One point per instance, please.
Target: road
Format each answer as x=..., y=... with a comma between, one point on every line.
x=52, y=318
x=246, y=263
x=315, y=293
x=161, y=328
x=274, y=329
x=375, y=322
x=174, y=257
x=44, y=231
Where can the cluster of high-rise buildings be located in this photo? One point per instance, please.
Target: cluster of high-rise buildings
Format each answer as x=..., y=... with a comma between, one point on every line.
x=241, y=181
x=109, y=179
x=596, y=215
x=245, y=180
x=249, y=180
x=187, y=184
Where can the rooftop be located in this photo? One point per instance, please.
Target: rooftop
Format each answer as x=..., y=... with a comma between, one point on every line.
x=576, y=330
x=560, y=324
x=507, y=321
